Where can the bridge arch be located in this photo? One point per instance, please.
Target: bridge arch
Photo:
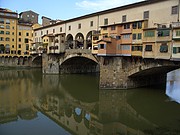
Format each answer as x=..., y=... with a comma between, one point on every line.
x=79, y=38
x=69, y=41
x=37, y=61
x=89, y=40
x=151, y=72
x=76, y=63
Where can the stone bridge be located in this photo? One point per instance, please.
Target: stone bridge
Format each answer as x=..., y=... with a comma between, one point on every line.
x=115, y=72
x=20, y=61
x=72, y=61
x=132, y=72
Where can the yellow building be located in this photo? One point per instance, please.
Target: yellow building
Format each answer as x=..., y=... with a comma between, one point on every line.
x=24, y=38
x=8, y=32
x=15, y=38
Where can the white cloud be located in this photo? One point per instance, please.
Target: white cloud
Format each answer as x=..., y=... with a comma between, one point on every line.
x=97, y=5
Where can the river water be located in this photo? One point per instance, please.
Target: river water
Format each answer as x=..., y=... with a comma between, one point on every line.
x=35, y=104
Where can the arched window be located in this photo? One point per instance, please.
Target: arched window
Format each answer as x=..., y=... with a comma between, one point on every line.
x=7, y=27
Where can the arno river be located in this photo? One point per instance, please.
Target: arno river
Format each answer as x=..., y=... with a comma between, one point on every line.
x=35, y=104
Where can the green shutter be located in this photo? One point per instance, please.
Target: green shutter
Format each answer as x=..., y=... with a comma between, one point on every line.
x=174, y=50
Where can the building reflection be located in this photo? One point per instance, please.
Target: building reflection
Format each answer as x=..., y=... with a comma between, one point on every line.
x=173, y=85
x=109, y=114
x=16, y=95
x=76, y=108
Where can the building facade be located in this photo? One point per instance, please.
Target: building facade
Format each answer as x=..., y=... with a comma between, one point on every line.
x=142, y=30
x=8, y=32
x=28, y=17
x=15, y=37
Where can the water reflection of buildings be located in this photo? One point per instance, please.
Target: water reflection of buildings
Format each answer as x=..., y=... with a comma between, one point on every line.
x=16, y=96
x=173, y=85
x=111, y=114
x=79, y=110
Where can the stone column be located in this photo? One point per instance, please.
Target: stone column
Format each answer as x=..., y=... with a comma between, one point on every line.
x=112, y=74
x=50, y=64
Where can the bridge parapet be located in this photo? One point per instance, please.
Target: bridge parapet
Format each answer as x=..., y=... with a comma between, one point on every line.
x=78, y=51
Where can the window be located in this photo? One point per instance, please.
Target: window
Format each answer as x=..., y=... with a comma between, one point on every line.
x=7, y=33
x=134, y=36
x=27, y=46
x=139, y=25
x=7, y=27
x=1, y=20
x=148, y=48
x=7, y=39
x=12, y=33
x=106, y=21
x=26, y=40
x=27, y=34
x=19, y=33
x=12, y=46
x=19, y=39
x=137, y=48
x=174, y=10
x=139, y=36
x=102, y=46
x=79, y=26
x=69, y=27
x=176, y=50
x=19, y=52
x=126, y=26
x=105, y=28
x=124, y=18
x=146, y=14
x=60, y=29
x=125, y=47
x=7, y=21
x=178, y=33
x=164, y=48
x=1, y=32
x=13, y=27
x=13, y=39
x=1, y=39
x=53, y=30
x=126, y=36
x=91, y=23
x=163, y=33
x=134, y=25
x=1, y=26
x=41, y=32
x=19, y=46
x=149, y=34
x=113, y=27
x=47, y=32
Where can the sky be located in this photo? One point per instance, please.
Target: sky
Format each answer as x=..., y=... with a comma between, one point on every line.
x=62, y=9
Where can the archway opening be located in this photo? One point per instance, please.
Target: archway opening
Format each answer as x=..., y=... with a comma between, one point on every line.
x=69, y=42
x=79, y=41
x=79, y=64
x=89, y=40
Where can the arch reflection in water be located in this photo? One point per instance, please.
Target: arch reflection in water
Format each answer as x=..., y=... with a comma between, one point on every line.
x=173, y=85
